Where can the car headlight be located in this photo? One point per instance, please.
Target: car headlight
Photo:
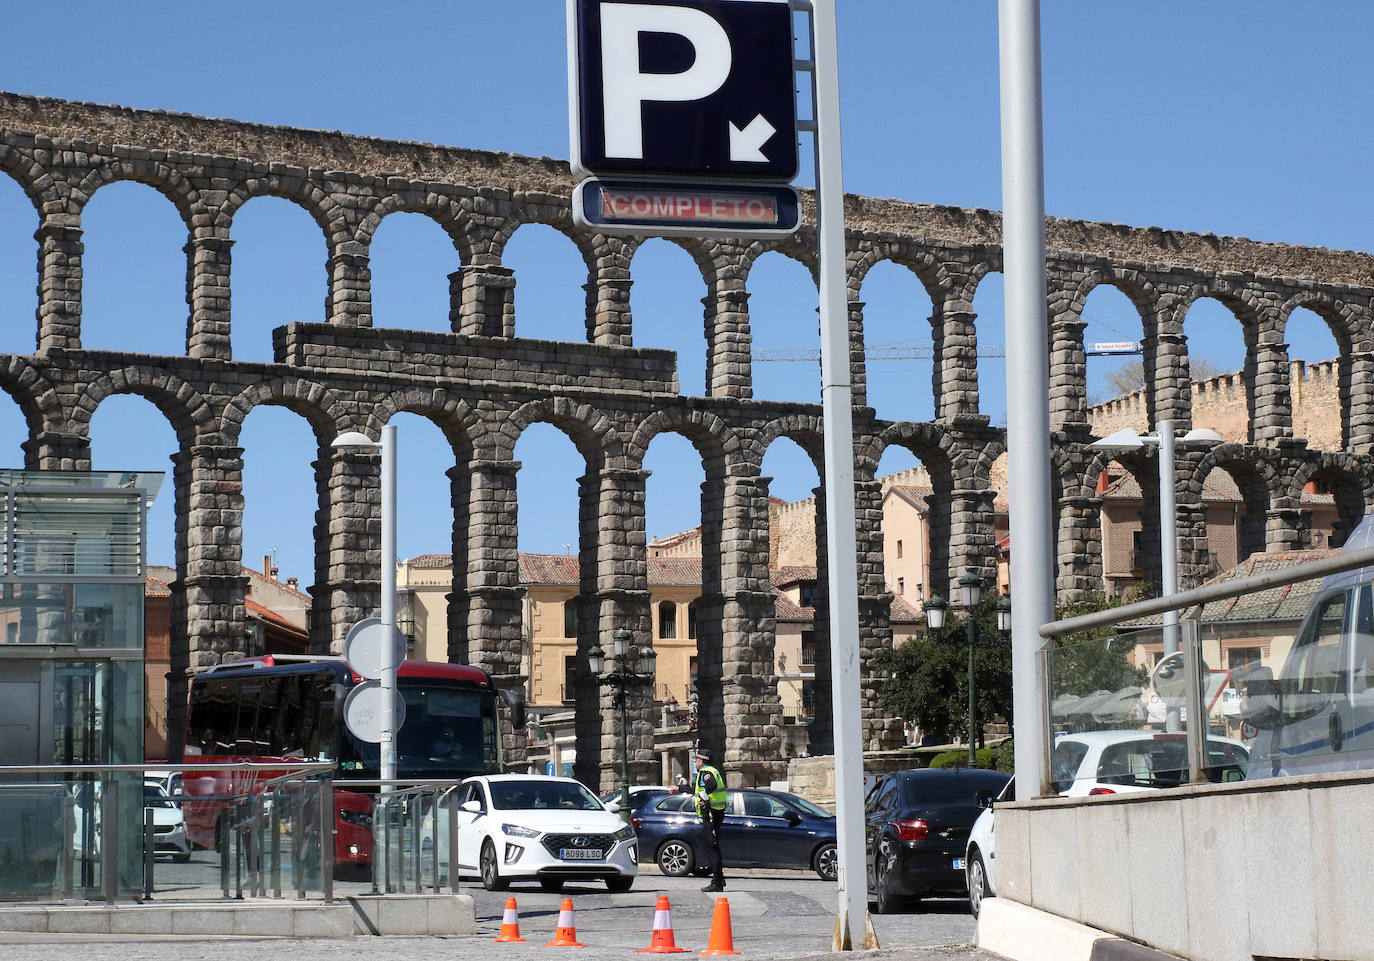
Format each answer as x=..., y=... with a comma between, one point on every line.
x=362, y=819
x=624, y=834
x=517, y=831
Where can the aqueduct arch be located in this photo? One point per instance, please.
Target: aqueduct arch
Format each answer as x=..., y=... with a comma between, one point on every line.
x=481, y=383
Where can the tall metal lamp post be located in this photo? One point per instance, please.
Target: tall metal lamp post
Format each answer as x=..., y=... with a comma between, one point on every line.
x=970, y=592
x=1126, y=440
x=387, y=615
x=628, y=657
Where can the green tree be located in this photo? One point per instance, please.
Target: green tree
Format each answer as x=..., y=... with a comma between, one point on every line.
x=1096, y=659
x=928, y=676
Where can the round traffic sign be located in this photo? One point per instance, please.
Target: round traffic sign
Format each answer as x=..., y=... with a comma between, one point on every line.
x=365, y=644
x=363, y=711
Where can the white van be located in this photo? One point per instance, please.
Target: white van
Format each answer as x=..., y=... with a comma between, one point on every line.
x=1317, y=714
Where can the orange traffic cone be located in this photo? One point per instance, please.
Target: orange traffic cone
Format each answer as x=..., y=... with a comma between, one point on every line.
x=722, y=939
x=565, y=936
x=510, y=923
x=662, y=941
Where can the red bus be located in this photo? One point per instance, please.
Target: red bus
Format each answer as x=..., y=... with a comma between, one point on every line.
x=290, y=708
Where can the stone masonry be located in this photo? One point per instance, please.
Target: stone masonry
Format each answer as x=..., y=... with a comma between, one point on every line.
x=483, y=387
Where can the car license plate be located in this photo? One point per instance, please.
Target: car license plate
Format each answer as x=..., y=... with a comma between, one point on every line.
x=958, y=864
x=580, y=854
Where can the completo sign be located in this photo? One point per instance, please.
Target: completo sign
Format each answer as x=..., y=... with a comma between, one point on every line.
x=640, y=207
x=679, y=206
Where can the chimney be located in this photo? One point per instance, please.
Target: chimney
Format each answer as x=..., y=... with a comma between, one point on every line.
x=292, y=583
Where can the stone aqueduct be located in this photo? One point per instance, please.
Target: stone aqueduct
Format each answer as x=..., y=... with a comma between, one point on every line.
x=483, y=387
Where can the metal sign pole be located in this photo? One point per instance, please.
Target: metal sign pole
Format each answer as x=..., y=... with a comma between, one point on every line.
x=1028, y=415
x=837, y=411
x=388, y=611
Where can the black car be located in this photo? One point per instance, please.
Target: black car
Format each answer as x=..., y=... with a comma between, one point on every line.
x=916, y=828
x=765, y=829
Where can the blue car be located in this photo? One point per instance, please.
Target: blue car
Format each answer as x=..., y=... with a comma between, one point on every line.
x=762, y=829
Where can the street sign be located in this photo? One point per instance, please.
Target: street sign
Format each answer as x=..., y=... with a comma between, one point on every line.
x=660, y=207
x=689, y=88
x=1117, y=347
x=364, y=647
x=363, y=711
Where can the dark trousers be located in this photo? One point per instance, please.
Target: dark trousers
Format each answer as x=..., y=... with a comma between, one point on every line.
x=712, y=819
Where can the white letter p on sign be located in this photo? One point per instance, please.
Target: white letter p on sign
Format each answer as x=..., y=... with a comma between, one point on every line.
x=626, y=87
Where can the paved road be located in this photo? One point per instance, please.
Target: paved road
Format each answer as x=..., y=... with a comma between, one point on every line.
x=779, y=915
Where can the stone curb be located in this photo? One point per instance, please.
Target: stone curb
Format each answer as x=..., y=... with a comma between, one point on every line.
x=1022, y=933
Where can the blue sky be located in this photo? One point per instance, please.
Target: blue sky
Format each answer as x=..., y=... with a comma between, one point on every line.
x=1180, y=114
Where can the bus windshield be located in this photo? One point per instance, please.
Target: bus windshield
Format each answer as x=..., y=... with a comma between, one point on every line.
x=450, y=731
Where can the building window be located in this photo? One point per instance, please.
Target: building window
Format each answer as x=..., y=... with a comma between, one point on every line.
x=667, y=619
x=808, y=698
x=570, y=618
x=808, y=650
x=1239, y=657
x=810, y=591
x=899, y=547
x=901, y=585
x=569, y=677
x=692, y=620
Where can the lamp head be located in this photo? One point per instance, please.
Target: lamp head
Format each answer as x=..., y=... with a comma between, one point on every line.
x=934, y=608
x=970, y=588
x=596, y=658
x=354, y=439
x=1201, y=437
x=1123, y=440
x=1004, y=613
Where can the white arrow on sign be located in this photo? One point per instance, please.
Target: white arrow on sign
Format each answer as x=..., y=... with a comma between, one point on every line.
x=746, y=145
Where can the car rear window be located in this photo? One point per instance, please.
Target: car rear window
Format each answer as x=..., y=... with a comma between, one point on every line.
x=1068, y=755
x=954, y=789
x=673, y=802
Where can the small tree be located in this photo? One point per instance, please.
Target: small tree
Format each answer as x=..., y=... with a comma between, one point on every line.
x=928, y=676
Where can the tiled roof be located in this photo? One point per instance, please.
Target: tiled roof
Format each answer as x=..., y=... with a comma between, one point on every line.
x=156, y=587
x=1287, y=603
x=903, y=613
x=271, y=617
x=1219, y=486
x=549, y=569
x=430, y=561
x=782, y=576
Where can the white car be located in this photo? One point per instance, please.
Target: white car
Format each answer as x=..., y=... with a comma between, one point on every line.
x=1091, y=763
x=169, y=822
x=548, y=829
x=980, y=856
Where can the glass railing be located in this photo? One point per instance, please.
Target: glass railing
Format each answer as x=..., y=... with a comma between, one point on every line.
x=114, y=832
x=414, y=834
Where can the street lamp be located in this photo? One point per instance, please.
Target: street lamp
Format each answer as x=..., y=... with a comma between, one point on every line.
x=970, y=590
x=353, y=440
x=934, y=608
x=1126, y=440
x=628, y=657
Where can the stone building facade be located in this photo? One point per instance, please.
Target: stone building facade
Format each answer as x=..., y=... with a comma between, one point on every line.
x=483, y=387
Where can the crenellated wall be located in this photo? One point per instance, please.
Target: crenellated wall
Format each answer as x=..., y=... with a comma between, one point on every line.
x=483, y=387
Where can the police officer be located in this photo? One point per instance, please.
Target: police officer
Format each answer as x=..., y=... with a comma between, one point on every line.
x=709, y=792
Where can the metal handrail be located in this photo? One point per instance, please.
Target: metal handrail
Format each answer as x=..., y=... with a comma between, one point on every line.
x=1336, y=564
x=301, y=766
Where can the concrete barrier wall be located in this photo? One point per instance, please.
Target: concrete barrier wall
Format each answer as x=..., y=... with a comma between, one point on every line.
x=1282, y=868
